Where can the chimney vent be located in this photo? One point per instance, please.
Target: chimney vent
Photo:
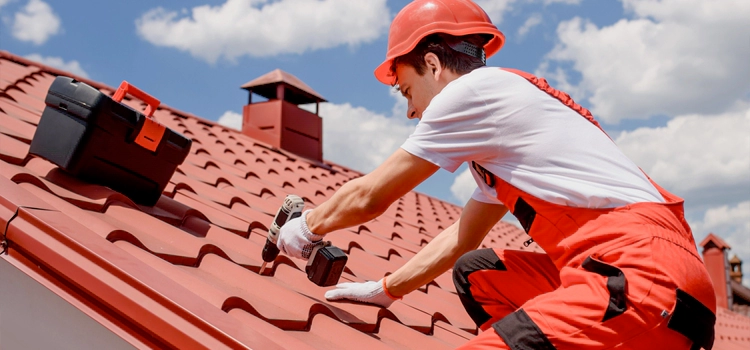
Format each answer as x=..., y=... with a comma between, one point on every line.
x=279, y=121
x=735, y=269
x=715, y=251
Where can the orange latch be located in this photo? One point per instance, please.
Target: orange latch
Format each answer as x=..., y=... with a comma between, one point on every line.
x=152, y=131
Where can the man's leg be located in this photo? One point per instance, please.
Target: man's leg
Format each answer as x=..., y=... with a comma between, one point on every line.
x=629, y=297
x=493, y=283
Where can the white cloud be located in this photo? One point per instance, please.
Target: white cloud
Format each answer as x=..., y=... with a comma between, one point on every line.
x=57, y=62
x=36, y=23
x=231, y=119
x=496, y=9
x=3, y=3
x=463, y=186
x=675, y=57
x=706, y=158
x=361, y=139
x=736, y=218
x=534, y=20
x=263, y=28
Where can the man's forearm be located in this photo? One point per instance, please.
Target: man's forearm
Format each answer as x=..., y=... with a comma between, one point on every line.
x=365, y=198
x=349, y=206
x=442, y=252
x=435, y=258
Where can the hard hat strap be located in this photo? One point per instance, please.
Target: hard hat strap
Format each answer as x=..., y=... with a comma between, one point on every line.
x=470, y=49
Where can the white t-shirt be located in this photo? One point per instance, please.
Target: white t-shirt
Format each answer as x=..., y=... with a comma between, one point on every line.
x=528, y=139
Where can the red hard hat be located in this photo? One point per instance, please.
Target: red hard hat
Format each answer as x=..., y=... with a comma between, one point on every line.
x=421, y=18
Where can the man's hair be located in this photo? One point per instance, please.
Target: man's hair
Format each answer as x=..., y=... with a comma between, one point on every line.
x=440, y=45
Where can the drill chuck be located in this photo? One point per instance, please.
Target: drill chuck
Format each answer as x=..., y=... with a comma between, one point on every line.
x=290, y=209
x=270, y=251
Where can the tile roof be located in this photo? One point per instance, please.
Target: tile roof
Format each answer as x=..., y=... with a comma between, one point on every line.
x=184, y=273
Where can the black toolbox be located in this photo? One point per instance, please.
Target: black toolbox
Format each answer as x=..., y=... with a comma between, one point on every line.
x=96, y=138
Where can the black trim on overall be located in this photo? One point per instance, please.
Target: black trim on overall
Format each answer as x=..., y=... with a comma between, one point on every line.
x=473, y=261
x=524, y=213
x=520, y=332
x=693, y=320
x=486, y=175
x=616, y=285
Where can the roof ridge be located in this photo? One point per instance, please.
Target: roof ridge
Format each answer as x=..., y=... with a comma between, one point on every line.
x=325, y=164
x=49, y=69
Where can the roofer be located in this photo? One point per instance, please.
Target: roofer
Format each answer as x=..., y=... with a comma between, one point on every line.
x=621, y=265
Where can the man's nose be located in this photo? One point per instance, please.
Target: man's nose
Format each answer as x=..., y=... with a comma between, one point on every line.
x=411, y=113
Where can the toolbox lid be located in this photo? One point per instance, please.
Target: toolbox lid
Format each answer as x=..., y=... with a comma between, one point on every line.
x=297, y=92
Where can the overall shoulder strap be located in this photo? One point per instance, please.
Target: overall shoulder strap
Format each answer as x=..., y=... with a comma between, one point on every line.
x=542, y=84
x=563, y=97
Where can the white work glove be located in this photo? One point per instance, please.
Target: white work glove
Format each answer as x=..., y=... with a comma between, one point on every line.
x=365, y=292
x=296, y=240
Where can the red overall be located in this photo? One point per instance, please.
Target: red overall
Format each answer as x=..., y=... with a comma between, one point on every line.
x=627, y=277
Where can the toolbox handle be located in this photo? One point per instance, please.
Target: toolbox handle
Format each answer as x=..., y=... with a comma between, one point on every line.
x=126, y=88
x=151, y=131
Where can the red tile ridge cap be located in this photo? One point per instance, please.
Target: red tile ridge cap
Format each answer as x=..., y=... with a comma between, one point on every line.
x=48, y=69
x=276, y=74
x=740, y=289
x=334, y=164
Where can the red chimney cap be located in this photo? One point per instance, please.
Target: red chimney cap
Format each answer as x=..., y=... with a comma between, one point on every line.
x=266, y=87
x=718, y=242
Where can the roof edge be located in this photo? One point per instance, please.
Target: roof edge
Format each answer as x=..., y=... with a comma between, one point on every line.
x=145, y=300
x=38, y=272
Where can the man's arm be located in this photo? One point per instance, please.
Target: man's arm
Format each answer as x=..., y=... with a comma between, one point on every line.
x=365, y=198
x=441, y=253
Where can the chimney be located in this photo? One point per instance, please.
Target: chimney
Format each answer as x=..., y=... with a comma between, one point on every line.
x=735, y=269
x=279, y=121
x=715, y=252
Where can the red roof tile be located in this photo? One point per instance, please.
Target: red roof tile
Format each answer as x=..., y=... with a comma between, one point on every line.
x=185, y=271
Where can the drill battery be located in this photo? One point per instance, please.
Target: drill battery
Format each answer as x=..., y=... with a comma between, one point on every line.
x=93, y=136
x=326, y=265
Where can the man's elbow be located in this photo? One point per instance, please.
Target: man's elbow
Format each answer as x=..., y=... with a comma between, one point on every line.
x=369, y=203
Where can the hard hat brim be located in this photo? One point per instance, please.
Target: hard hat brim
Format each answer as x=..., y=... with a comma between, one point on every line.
x=383, y=71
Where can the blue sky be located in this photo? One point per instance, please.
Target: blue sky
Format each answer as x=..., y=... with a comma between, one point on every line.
x=669, y=79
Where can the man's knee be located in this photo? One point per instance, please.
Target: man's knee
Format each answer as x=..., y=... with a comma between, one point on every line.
x=473, y=261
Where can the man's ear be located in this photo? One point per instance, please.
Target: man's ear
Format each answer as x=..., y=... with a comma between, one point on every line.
x=433, y=65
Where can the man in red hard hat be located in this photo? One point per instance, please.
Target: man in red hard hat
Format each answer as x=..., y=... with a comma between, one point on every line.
x=621, y=267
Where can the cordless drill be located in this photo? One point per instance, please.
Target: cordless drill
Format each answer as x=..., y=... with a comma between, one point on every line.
x=290, y=209
x=326, y=262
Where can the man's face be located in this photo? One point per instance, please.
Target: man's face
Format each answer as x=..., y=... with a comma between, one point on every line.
x=418, y=89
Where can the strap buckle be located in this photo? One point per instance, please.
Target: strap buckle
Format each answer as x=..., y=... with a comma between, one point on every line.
x=487, y=176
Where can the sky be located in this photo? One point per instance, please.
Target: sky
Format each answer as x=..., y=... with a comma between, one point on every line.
x=668, y=79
